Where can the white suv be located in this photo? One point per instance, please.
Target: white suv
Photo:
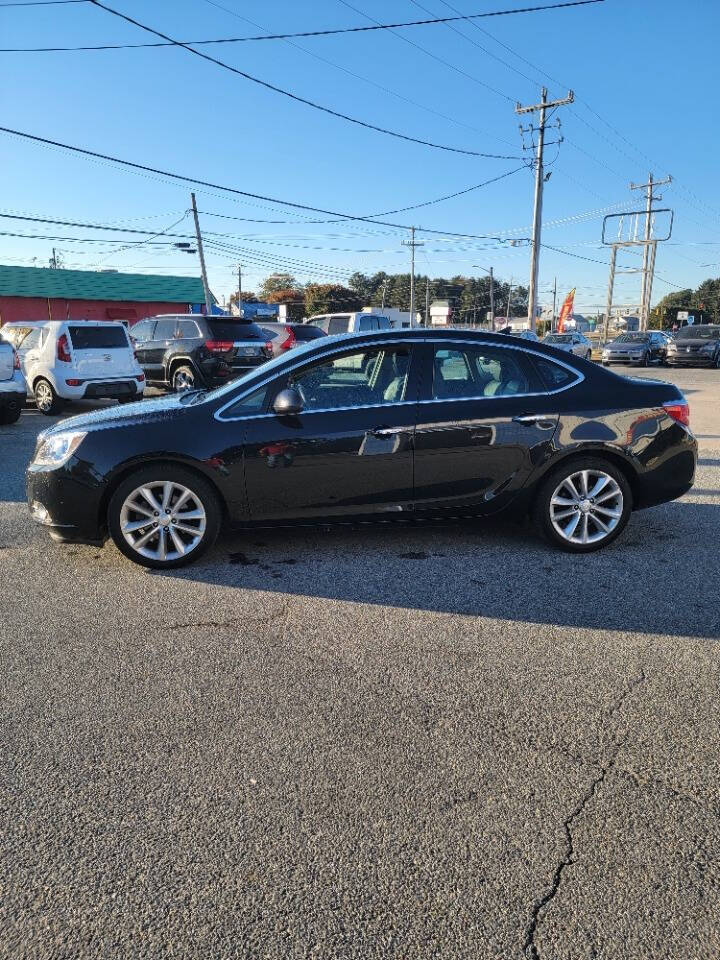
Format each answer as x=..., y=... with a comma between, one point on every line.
x=13, y=389
x=75, y=360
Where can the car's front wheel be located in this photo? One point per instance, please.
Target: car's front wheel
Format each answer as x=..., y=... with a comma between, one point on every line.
x=164, y=516
x=46, y=400
x=583, y=505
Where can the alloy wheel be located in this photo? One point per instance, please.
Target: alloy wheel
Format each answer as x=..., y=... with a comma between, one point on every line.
x=163, y=520
x=586, y=507
x=184, y=380
x=43, y=396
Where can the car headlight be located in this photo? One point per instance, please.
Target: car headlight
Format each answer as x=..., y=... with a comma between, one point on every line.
x=55, y=450
x=708, y=348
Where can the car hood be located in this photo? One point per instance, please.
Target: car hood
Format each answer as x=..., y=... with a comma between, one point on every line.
x=694, y=342
x=121, y=415
x=628, y=345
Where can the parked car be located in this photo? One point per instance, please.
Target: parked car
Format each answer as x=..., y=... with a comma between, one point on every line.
x=697, y=346
x=641, y=348
x=76, y=360
x=575, y=343
x=13, y=389
x=350, y=322
x=526, y=335
x=286, y=336
x=189, y=351
x=397, y=425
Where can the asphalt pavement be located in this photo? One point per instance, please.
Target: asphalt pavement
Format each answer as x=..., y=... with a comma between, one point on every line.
x=406, y=742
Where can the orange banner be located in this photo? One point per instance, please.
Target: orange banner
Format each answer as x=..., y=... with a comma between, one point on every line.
x=566, y=311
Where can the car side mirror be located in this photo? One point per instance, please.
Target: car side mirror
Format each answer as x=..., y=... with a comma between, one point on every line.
x=288, y=403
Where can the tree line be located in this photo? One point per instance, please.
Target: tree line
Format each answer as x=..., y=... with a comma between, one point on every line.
x=467, y=297
x=705, y=297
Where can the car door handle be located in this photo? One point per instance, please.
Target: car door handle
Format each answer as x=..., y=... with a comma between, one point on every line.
x=542, y=420
x=387, y=431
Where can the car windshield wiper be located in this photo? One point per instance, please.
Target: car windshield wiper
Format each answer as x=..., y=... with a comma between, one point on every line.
x=191, y=396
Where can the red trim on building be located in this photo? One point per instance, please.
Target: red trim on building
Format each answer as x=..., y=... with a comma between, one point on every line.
x=14, y=309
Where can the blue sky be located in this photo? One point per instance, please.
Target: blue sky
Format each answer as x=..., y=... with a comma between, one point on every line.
x=644, y=73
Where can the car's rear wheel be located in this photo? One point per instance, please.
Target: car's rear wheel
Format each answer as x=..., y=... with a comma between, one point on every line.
x=184, y=378
x=645, y=362
x=10, y=413
x=46, y=400
x=164, y=516
x=583, y=505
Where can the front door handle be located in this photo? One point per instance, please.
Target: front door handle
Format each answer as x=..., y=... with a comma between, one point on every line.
x=541, y=420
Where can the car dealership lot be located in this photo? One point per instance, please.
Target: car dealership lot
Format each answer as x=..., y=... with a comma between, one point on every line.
x=443, y=741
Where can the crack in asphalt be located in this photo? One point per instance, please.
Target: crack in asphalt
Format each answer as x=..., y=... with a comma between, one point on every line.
x=530, y=950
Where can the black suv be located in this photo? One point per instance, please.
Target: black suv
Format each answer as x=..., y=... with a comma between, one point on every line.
x=184, y=351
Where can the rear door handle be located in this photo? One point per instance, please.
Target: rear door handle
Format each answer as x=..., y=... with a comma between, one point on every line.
x=542, y=420
x=387, y=431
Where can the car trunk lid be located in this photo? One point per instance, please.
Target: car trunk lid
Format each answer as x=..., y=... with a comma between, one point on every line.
x=101, y=351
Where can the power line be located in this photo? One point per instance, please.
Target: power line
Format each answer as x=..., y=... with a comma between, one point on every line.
x=450, y=196
x=83, y=151
x=38, y=3
x=304, y=100
x=276, y=36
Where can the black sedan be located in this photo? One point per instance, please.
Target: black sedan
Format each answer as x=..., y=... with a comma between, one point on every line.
x=642, y=348
x=697, y=345
x=383, y=426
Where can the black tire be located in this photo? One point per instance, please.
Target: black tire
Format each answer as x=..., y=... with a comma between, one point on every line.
x=542, y=506
x=645, y=362
x=46, y=400
x=184, y=377
x=10, y=413
x=202, y=491
x=588, y=355
x=132, y=399
x=717, y=360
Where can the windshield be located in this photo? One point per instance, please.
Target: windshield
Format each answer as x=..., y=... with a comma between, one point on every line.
x=632, y=338
x=558, y=338
x=698, y=333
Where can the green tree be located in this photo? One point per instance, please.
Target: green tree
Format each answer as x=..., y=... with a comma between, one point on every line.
x=275, y=282
x=330, y=298
x=247, y=297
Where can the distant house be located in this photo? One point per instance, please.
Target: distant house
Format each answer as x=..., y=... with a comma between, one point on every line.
x=37, y=293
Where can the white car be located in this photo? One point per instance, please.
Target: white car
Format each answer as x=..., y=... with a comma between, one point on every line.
x=574, y=343
x=13, y=389
x=358, y=322
x=76, y=360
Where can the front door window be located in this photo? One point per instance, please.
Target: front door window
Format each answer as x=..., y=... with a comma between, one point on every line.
x=370, y=377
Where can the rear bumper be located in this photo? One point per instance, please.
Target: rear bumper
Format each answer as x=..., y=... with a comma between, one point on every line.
x=101, y=389
x=12, y=399
x=673, y=472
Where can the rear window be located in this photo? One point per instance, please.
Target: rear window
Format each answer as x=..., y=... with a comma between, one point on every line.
x=227, y=330
x=304, y=331
x=98, y=338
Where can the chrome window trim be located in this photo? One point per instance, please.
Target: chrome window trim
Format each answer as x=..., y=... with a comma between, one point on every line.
x=342, y=348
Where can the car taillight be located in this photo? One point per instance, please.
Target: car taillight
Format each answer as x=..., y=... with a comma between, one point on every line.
x=16, y=360
x=291, y=339
x=680, y=412
x=140, y=378
x=63, y=349
x=219, y=346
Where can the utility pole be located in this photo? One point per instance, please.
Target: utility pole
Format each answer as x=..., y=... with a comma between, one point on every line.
x=492, y=300
x=552, y=323
x=239, y=303
x=385, y=283
x=412, y=243
x=647, y=279
x=206, y=288
x=542, y=108
x=509, y=302
x=427, y=301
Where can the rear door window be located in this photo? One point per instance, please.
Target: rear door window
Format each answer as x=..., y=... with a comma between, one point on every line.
x=465, y=371
x=98, y=338
x=338, y=324
x=165, y=329
x=187, y=330
x=367, y=323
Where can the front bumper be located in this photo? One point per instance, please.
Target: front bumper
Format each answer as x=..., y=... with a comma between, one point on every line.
x=690, y=360
x=67, y=506
x=627, y=359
